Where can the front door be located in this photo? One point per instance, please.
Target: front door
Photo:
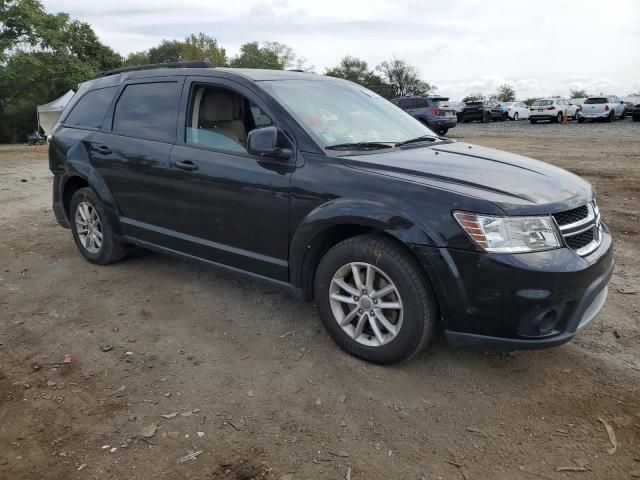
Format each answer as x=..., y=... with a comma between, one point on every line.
x=233, y=207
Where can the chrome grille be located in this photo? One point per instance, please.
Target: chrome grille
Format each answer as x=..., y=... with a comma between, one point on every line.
x=571, y=216
x=580, y=228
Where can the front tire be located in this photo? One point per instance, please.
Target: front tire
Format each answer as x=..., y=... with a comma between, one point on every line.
x=374, y=300
x=93, y=230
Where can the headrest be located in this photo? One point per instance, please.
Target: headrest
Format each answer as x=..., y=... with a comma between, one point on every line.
x=217, y=107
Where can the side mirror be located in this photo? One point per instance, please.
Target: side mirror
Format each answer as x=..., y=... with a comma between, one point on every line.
x=263, y=143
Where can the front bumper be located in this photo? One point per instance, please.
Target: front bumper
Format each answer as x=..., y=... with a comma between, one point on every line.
x=497, y=300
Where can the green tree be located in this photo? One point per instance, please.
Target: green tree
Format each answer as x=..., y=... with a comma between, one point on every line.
x=403, y=78
x=167, y=51
x=252, y=55
x=506, y=93
x=41, y=57
x=203, y=47
x=357, y=71
x=578, y=93
x=529, y=101
x=474, y=97
x=137, y=58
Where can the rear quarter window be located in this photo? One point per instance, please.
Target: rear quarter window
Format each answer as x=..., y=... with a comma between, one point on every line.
x=148, y=110
x=90, y=110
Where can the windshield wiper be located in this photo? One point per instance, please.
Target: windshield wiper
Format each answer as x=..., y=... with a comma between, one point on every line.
x=422, y=138
x=360, y=146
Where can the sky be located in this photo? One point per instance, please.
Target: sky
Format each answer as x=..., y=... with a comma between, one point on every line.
x=540, y=47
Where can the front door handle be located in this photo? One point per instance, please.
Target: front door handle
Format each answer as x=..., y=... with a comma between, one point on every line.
x=103, y=149
x=186, y=165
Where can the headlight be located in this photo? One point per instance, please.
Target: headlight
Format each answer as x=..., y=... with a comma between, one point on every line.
x=510, y=234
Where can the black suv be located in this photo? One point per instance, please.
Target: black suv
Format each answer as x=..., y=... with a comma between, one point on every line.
x=322, y=186
x=482, y=110
x=434, y=111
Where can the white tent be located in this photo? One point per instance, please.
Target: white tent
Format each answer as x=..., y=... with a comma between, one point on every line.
x=48, y=113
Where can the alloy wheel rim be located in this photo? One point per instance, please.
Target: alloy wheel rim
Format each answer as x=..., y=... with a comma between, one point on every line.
x=89, y=227
x=366, y=304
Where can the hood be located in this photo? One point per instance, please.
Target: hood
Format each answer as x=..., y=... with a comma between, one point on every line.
x=518, y=185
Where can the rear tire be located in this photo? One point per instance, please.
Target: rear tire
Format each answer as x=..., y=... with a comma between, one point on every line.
x=581, y=119
x=348, y=306
x=558, y=118
x=93, y=230
x=533, y=120
x=515, y=116
x=611, y=116
x=443, y=131
x=486, y=117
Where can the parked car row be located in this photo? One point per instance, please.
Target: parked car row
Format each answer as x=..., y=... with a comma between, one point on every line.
x=440, y=114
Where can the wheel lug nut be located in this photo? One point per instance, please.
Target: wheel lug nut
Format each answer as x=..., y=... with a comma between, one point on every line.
x=360, y=311
x=356, y=298
x=375, y=301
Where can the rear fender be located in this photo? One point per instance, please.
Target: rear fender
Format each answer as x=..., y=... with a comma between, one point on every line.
x=79, y=165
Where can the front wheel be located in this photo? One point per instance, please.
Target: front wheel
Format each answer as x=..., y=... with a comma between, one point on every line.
x=516, y=116
x=374, y=300
x=92, y=229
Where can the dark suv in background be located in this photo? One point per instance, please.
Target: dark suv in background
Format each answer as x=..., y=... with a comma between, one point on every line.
x=434, y=111
x=482, y=110
x=322, y=187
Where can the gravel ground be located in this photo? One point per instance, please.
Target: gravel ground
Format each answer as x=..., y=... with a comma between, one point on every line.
x=251, y=369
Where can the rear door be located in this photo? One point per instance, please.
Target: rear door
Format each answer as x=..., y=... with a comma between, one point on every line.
x=134, y=156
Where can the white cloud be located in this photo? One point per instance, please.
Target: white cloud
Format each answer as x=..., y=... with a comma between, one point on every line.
x=542, y=47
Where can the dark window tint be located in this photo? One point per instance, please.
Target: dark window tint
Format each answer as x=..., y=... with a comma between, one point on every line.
x=148, y=110
x=474, y=104
x=422, y=103
x=589, y=101
x=406, y=103
x=542, y=103
x=90, y=109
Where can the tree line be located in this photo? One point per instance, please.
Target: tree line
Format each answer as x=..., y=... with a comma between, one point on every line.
x=43, y=55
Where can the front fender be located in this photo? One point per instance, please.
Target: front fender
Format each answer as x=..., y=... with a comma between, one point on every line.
x=349, y=213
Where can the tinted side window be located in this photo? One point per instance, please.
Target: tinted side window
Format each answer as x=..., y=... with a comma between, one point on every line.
x=422, y=103
x=90, y=109
x=406, y=103
x=148, y=110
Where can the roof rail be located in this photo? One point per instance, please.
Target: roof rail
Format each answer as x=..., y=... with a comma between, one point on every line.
x=152, y=66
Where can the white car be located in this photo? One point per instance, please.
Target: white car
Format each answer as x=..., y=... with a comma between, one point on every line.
x=552, y=109
x=602, y=108
x=516, y=110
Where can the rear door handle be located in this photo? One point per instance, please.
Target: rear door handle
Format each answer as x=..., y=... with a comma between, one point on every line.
x=186, y=165
x=101, y=149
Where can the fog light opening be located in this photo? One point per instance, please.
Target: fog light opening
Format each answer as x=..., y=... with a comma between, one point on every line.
x=547, y=322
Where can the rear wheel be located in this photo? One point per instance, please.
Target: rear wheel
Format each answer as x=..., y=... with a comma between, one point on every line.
x=443, y=131
x=611, y=116
x=533, y=120
x=581, y=119
x=374, y=300
x=486, y=117
x=92, y=229
x=516, y=116
x=558, y=118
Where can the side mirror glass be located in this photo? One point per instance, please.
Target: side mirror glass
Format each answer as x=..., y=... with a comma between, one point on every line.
x=263, y=142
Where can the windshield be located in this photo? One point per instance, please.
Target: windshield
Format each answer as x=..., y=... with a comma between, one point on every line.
x=589, y=101
x=336, y=113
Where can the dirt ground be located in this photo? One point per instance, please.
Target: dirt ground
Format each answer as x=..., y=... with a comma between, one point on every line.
x=252, y=370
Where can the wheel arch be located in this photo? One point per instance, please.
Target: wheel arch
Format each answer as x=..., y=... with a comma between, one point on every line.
x=329, y=225
x=81, y=174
